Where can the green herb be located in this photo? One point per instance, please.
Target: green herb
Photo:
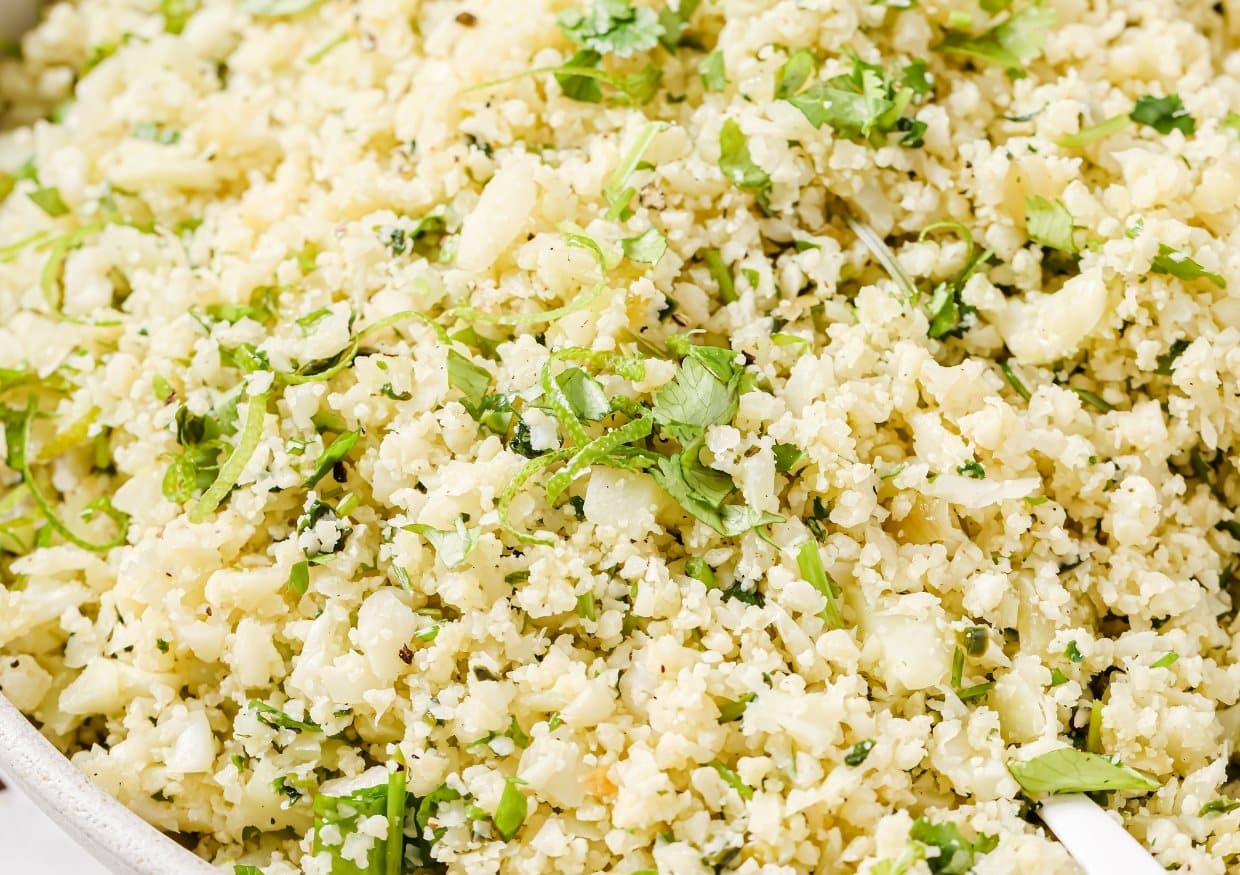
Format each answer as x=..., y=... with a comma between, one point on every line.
x=972, y=468
x=247, y=442
x=957, y=855
x=17, y=439
x=1100, y=131
x=276, y=8
x=735, y=709
x=1049, y=224
x=1011, y=44
x=732, y=779
x=585, y=606
x=581, y=79
x=704, y=392
x=738, y=165
x=299, y=577
x=787, y=457
x=866, y=104
x=511, y=811
x=239, y=869
x=1058, y=677
x=1163, y=114
x=722, y=275
x=584, y=394
x=277, y=719
x=1167, y=659
x=1166, y=360
x=1014, y=381
x=794, y=73
x=1069, y=770
x=612, y=27
x=452, y=547
x=333, y=455
x=617, y=192
x=1093, y=400
x=696, y=568
x=161, y=387
x=856, y=756
x=1218, y=806
x=155, y=132
x=976, y=640
x=1177, y=264
x=1073, y=652
x=646, y=248
x=49, y=201
x=324, y=50
x=714, y=77
x=809, y=563
x=675, y=21
x=161, y=645
x=344, y=814
x=471, y=380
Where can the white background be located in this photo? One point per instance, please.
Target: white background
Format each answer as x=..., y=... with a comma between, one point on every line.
x=31, y=843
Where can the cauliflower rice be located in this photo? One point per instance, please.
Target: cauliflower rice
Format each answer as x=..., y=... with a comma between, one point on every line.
x=743, y=436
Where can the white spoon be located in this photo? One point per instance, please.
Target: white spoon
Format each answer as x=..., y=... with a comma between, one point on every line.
x=1094, y=838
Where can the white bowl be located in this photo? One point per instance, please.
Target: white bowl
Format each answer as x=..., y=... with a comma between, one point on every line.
x=114, y=835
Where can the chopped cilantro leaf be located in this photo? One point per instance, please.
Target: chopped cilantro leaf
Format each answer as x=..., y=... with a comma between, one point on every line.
x=1163, y=114
x=737, y=164
x=735, y=709
x=646, y=248
x=696, y=568
x=1049, y=223
x=471, y=380
x=453, y=546
x=675, y=21
x=47, y=198
x=794, y=73
x=1174, y=263
x=856, y=756
x=299, y=577
x=714, y=77
x=787, y=457
x=612, y=27
x=865, y=104
x=1073, y=652
x=1069, y=770
x=1166, y=360
x=972, y=468
x=956, y=855
x=809, y=563
x=1011, y=44
x=511, y=811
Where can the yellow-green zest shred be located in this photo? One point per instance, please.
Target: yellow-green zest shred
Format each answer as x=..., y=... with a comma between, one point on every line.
x=596, y=450
x=120, y=518
x=532, y=467
x=247, y=442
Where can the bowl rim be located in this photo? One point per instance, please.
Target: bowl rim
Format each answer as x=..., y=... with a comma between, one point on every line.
x=118, y=838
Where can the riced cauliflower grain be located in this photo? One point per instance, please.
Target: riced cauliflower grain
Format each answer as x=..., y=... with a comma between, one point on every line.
x=484, y=436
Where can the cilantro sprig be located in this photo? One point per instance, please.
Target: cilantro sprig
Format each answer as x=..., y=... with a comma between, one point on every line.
x=866, y=104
